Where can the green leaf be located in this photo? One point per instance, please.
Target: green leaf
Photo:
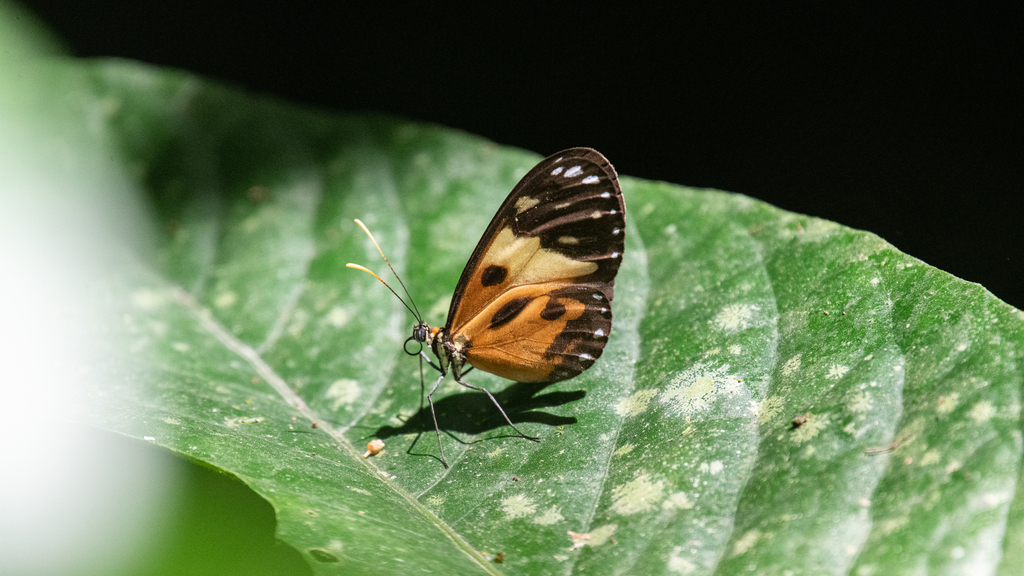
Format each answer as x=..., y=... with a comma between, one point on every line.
x=237, y=337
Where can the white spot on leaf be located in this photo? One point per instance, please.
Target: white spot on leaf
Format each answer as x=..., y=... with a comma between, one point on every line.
x=638, y=495
x=982, y=411
x=635, y=404
x=836, y=372
x=344, y=391
x=548, y=517
x=694, y=389
x=809, y=429
x=518, y=506
x=791, y=365
x=735, y=317
x=225, y=299
x=337, y=317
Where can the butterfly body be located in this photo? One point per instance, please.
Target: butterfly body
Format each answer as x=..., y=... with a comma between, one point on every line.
x=534, y=301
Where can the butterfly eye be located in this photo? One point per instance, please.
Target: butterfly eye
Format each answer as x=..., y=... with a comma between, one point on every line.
x=419, y=332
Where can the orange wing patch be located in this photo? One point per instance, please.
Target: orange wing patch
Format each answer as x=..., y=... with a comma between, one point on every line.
x=538, y=333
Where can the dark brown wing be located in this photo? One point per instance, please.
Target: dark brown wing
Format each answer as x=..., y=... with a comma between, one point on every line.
x=556, y=243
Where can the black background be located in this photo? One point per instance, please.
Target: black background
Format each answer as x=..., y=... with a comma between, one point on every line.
x=905, y=123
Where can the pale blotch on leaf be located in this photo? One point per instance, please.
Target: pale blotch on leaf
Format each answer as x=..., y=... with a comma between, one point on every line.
x=768, y=408
x=677, y=501
x=159, y=328
x=638, y=495
x=181, y=347
x=299, y=320
x=635, y=404
x=595, y=537
x=735, y=349
x=433, y=501
x=746, y=542
x=344, y=391
x=929, y=457
x=147, y=299
x=172, y=421
x=337, y=317
x=518, y=506
x=791, y=365
x=860, y=402
x=946, y=404
x=624, y=449
x=893, y=524
x=837, y=371
x=735, y=317
x=360, y=490
x=599, y=535
x=712, y=467
x=678, y=564
x=548, y=517
x=982, y=411
x=815, y=423
x=495, y=452
x=225, y=299
x=693, y=389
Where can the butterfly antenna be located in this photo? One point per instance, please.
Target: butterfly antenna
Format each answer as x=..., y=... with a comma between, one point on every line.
x=413, y=310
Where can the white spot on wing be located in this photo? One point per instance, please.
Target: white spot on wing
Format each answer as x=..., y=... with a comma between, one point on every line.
x=599, y=332
x=615, y=254
x=616, y=232
x=586, y=356
x=556, y=171
x=596, y=214
x=525, y=203
x=573, y=172
x=597, y=296
x=591, y=180
x=606, y=195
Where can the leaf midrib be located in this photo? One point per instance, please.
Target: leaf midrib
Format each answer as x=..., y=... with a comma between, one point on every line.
x=250, y=356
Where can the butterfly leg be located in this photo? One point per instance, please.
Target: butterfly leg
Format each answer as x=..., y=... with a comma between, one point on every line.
x=423, y=355
x=430, y=400
x=500, y=409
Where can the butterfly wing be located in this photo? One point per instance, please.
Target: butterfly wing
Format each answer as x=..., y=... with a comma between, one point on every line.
x=534, y=302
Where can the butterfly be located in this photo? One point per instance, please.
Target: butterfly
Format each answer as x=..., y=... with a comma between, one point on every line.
x=534, y=303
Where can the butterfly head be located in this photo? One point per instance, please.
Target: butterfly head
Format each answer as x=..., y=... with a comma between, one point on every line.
x=423, y=333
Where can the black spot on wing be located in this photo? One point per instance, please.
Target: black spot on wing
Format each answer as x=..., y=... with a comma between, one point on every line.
x=553, y=311
x=493, y=275
x=508, y=312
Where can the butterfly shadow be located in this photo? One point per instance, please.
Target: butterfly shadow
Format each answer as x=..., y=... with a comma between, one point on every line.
x=473, y=413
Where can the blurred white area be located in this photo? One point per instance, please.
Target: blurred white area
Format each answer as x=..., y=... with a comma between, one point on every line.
x=69, y=503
